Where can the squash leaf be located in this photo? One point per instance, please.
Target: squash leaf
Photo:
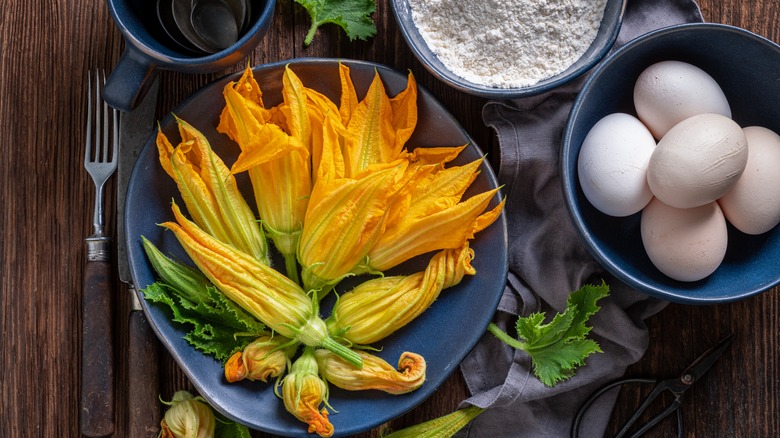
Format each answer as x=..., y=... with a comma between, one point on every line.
x=354, y=16
x=219, y=328
x=558, y=347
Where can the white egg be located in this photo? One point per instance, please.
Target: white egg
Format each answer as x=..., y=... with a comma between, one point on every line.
x=612, y=165
x=697, y=161
x=669, y=92
x=684, y=244
x=753, y=204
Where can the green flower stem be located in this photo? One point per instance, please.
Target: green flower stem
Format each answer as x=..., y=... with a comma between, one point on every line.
x=311, y=33
x=291, y=265
x=343, y=352
x=504, y=337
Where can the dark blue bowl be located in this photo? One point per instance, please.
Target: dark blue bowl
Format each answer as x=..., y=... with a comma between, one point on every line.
x=745, y=65
x=608, y=32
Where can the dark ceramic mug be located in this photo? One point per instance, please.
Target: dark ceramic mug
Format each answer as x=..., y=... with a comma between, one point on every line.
x=147, y=50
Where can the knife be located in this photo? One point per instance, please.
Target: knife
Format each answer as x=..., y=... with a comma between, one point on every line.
x=143, y=390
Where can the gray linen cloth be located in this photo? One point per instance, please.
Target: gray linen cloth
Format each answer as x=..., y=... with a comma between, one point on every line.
x=547, y=261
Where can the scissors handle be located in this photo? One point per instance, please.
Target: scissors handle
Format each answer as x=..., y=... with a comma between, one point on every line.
x=575, y=427
x=673, y=407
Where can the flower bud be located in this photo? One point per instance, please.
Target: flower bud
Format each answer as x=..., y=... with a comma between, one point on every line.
x=188, y=417
x=265, y=357
x=303, y=392
x=188, y=282
x=376, y=308
x=375, y=374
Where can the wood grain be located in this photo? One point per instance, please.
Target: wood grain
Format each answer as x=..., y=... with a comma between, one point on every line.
x=46, y=49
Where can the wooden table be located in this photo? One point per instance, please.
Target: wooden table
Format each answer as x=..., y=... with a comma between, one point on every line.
x=46, y=49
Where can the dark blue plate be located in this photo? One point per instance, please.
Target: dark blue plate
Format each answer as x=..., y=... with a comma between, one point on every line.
x=443, y=335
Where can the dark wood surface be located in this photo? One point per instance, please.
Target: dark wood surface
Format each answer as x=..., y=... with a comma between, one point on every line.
x=46, y=49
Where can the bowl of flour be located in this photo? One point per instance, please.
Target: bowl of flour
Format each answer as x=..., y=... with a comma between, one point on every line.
x=507, y=49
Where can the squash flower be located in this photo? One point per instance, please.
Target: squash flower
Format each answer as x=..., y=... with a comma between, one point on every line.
x=266, y=356
x=375, y=374
x=433, y=217
x=377, y=127
x=278, y=163
x=210, y=191
x=268, y=295
x=378, y=307
x=188, y=417
x=444, y=426
x=344, y=219
x=303, y=392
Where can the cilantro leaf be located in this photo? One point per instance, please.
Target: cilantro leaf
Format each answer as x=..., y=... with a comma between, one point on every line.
x=558, y=347
x=354, y=16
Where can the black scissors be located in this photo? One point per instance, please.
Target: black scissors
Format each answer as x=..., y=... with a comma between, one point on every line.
x=677, y=386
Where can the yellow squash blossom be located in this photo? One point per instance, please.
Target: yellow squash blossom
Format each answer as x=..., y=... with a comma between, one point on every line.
x=378, y=307
x=188, y=417
x=433, y=217
x=375, y=374
x=303, y=392
x=377, y=127
x=266, y=356
x=343, y=221
x=277, y=162
x=268, y=295
x=210, y=191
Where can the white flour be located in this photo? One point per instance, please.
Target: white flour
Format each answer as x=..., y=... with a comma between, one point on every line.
x=507, y=43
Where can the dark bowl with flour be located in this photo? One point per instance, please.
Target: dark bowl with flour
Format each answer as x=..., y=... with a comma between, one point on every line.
x=510, y=49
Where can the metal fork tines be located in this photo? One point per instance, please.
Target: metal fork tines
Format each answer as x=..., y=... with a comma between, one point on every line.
x=97, y=362
x=100, y=156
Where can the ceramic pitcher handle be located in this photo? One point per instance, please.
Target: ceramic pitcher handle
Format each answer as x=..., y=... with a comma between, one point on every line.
x=129, y=81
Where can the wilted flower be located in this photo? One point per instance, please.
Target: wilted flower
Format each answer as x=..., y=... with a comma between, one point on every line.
x=303, y=392
x=375, y=374
x=210, y=191
x=378, y=307
x=266, y=356
x=268, y=295
x=188, y=417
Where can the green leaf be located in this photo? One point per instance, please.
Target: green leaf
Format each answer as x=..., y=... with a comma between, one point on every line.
x=225, y=428
x=354, y=16
x=216, y=330
x=558, y=347
x=217, y=326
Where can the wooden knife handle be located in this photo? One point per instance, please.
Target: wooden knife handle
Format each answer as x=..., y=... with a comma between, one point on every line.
x=97, y=352
x=144, y=407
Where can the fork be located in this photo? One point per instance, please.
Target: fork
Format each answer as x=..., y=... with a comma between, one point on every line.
x=97, y=361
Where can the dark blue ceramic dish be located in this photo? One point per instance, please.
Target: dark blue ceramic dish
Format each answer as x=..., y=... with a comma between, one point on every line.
x=746, y=67
x=608, y=32
x=148, y=48
x=443, y=335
